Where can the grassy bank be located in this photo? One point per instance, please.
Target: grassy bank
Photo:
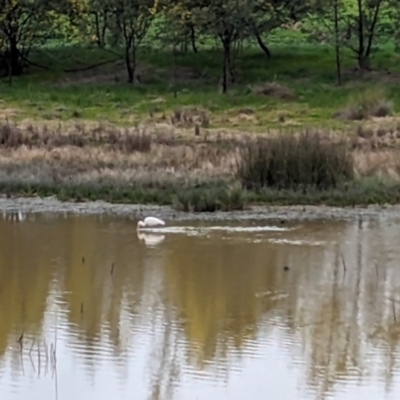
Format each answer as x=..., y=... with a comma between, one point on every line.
x=88, y=135
x=296, y=87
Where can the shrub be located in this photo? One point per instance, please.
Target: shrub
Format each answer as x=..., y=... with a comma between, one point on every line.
x=290, y=162
x=210, y=200
x=366, y=104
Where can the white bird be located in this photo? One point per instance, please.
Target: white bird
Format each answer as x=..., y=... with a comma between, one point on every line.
x=150, y=221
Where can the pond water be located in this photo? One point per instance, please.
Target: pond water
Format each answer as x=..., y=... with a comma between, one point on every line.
x=90, y=309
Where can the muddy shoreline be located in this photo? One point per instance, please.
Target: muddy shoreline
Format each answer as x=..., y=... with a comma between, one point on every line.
x=135, y=211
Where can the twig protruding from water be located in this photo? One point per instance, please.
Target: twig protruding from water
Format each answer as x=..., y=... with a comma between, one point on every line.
x=344, y=265
x=39, y=363
x=33, y=343
x=394, y=311
x=21, y=339
x=55, y=334
x=47, y=357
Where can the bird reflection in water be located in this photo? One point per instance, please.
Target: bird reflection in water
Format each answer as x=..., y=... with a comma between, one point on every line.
x=151, y=239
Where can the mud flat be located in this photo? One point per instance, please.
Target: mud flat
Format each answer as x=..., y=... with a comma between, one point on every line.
x=134, y=211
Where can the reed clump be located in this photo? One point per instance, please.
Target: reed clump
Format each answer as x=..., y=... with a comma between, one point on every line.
x=307, y=160
x=211, y=199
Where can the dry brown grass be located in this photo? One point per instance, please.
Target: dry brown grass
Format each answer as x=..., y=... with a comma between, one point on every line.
x=152, y=155
x=105, y=153
x=125, y=140
x=381, y=163
x=190, y=116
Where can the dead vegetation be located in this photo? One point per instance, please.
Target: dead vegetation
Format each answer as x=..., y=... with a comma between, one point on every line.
x=105, y=153
x=366, y=104
x=190, y=116
x=296, y=162
x=198, y=173
x=31, y=136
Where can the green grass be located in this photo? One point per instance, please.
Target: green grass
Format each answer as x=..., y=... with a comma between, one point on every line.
x=360, y=192
x=308, y=71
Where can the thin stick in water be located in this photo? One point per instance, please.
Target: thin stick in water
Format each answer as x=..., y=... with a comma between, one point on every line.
x=55, y=334
x=344, y=265
x=21, y=339
x=22, y=363
x=55, y=358
x=112, y=268
x=56, y=382
x=33, y=343
x=39, y=363
x=394, y=311
x=51, y=355
x=46, y=368
x=33, y=365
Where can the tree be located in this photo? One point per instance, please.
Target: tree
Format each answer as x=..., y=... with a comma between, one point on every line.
x=268, y=15
x=227, y=20
x=129, y=22
x=361, y=21
x=179, y=16
x=220, y=19
x=99, y=11
x=363, y=25
x=390, y=21
x=21, y=24
x=25, y=23
x=329, y=24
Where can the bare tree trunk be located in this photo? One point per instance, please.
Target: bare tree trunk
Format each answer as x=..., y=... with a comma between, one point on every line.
x=361, y=45
x=9, y=70
x=337, y=44
x=97, y=28
x=193, y=38
x=224, y=87
x=134, y=65
x=372, y=30
x=175, y=72
x=226, y=42
x=104, y=29
x=262, y=45
x=128, y=62
x=366, y=27
x=363, y=62
x=184, y=45
x=14, y=61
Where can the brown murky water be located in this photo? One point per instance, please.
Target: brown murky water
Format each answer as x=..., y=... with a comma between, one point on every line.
x=89, y=309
